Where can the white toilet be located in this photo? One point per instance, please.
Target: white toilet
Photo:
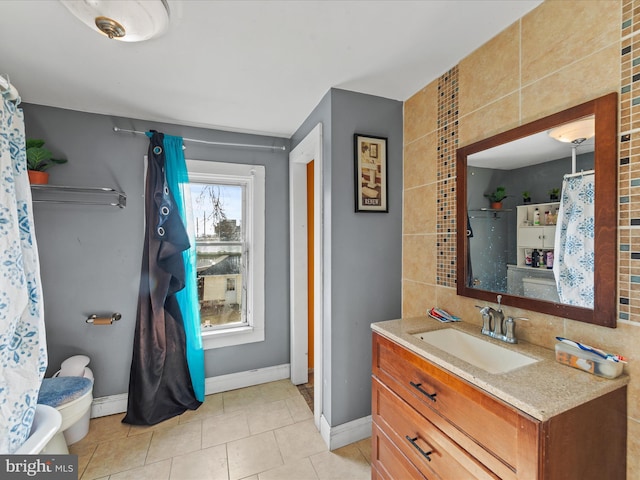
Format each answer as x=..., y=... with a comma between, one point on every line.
x=70, y=392
x=541, y=288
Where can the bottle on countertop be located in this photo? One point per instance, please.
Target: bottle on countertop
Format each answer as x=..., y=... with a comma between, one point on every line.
x=550, y=259
x=536, y=217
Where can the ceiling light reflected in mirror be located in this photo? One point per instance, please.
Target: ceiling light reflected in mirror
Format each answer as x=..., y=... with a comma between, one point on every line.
x=575, y=132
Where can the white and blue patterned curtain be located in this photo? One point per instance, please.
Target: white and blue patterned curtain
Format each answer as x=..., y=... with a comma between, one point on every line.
x=574, y=252
x=23, y=351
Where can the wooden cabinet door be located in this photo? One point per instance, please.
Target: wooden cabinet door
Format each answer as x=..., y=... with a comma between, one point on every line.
x=387, y=461
x=498, y=435
x=428, y=448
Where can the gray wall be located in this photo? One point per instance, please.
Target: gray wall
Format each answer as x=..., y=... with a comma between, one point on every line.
x=364, y=250
x=91, y=255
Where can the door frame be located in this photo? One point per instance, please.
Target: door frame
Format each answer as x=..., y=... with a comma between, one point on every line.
x=310, y=148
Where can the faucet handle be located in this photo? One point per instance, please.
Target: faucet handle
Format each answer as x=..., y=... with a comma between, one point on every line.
x=499, y=302
x=510, y=329
x=486, y=317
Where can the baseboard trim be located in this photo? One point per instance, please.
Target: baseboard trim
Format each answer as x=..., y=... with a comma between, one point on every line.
x=109, y=405
x=233, y=381
x=346, y=433
x=112, y=404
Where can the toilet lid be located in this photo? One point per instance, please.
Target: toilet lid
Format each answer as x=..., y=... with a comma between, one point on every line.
x=60, y=390
x=74, y=366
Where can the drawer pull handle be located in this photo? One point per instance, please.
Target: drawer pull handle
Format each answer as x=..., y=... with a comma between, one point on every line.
x=418, y=386
x=412, y=441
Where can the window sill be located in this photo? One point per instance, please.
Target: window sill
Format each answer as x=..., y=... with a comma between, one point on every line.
x=231, y=336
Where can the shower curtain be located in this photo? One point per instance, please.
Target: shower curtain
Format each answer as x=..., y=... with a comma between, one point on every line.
x=23, y=349
x=574, y=242
x=167, y=369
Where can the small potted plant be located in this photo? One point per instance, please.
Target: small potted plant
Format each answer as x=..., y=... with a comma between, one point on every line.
x=526, y=196
x=554, y=194
x=497, y=197
x=38, y=160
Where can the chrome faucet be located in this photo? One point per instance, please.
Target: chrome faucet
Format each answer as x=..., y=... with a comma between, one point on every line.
x=494, y=324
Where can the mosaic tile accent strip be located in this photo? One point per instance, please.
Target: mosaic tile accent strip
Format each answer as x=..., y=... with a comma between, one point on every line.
x=629, y=165
x=630, y=20
x=446, y=171
x=629, y=177
x=624, y=264
x=629, y=269
x=446, y=268
x=446, y=201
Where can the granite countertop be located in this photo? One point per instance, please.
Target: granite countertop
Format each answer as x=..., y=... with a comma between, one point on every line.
x=543, y=389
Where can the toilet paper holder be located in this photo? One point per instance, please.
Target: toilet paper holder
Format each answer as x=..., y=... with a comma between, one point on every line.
x=103, y=320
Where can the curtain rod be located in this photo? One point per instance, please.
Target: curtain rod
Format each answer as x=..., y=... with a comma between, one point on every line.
x=579, y=174
x=207, y=142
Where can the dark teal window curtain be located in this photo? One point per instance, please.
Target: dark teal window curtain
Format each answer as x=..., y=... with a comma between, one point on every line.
x=178, y=181
x=167, y=368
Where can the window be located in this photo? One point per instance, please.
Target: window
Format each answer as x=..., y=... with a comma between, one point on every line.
x=228, y=210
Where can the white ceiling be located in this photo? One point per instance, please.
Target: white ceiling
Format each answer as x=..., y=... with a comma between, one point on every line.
x=532, y=150
x=248, y=66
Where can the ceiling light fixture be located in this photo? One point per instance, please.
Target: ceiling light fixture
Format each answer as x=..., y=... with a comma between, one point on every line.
x=110, y=27
x=575, y=133
x=125, y=20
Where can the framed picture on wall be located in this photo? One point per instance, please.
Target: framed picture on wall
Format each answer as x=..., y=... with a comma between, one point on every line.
x=370, y=155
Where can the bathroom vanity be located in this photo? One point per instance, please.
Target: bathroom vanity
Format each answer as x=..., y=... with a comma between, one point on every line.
x=436, y=416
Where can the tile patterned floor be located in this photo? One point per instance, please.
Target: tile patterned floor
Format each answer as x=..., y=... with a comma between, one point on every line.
x=306, y=390
x=264, y=432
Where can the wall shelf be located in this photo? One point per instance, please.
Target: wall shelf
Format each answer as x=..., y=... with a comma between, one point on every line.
x=486, y=212
x=490, y=210
x=78, y=195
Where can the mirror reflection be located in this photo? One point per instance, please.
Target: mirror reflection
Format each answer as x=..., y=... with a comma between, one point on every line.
x=514, y=193
x=530, y=206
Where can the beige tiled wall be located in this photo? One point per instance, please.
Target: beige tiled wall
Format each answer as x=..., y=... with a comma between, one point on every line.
x=560, y=54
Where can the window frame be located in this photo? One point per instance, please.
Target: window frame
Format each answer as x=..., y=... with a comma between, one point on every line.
x=253, y=177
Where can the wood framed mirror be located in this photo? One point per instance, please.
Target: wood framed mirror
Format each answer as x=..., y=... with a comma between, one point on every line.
x=500, y=242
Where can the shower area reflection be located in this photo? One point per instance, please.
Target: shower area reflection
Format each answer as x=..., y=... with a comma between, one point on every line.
x=489, y=248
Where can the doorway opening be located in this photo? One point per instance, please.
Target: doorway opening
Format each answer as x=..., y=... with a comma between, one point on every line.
x=305, y=166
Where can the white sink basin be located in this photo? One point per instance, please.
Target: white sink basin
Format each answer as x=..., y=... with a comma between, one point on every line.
x=479, y=353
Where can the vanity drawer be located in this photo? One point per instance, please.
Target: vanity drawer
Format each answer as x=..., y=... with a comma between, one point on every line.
x=411, y=432
x=387, y=462
x=491, y=431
